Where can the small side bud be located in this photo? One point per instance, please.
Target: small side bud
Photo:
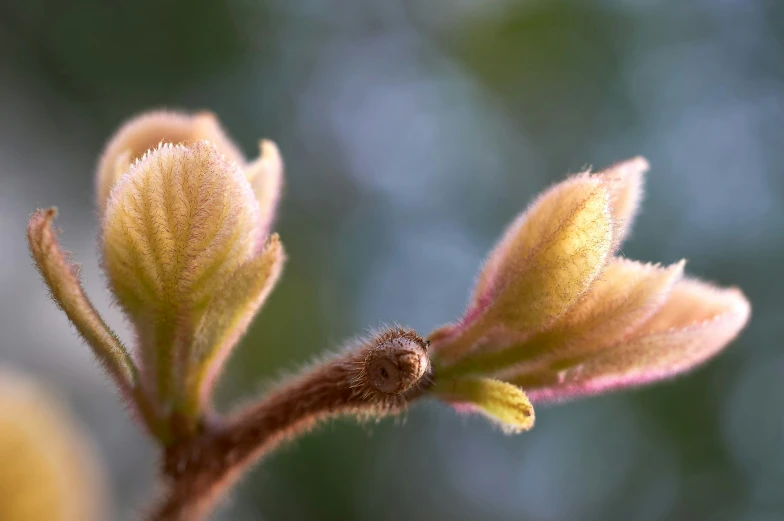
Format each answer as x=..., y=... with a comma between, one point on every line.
x=395, y=362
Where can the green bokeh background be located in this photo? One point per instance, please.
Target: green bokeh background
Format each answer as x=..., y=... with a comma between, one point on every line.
x=412, y=132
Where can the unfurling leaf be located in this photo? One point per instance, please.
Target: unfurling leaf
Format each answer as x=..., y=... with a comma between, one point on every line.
x=561, y=239
x=185, y=224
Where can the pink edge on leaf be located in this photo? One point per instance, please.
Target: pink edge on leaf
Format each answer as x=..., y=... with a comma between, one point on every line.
x=658, y=352
x=265, y=175
x=624, y=297
x=692, y=301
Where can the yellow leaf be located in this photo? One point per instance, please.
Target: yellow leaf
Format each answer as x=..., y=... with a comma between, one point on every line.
x=501, y=402
x=551, y=258
x=177, y=227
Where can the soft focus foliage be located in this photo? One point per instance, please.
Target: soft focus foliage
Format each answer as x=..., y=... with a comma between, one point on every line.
x=556, y=314
x=49, y=470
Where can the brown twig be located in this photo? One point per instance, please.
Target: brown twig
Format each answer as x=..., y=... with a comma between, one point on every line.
x=378, y=378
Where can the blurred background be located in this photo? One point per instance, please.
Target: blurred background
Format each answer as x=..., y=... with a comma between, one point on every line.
x=413, y=131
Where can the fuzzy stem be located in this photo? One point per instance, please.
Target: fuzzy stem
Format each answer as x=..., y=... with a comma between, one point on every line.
x=199, y=471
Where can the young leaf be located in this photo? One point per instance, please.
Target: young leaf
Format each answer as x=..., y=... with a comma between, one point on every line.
x=503, y=403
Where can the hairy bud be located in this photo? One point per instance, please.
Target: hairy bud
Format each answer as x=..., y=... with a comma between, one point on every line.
x=187, y=252
x=395, y=362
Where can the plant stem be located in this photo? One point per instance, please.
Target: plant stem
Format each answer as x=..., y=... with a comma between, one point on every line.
x=199, y=471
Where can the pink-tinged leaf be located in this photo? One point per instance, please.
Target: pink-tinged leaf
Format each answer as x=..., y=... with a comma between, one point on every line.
x=626, y=295
x=147, y=131
x=625, y=180
x=621, y=299
x=265, y=175
x=693, y=301
x=504, y=404
x=695, y=323
x=545, y=262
